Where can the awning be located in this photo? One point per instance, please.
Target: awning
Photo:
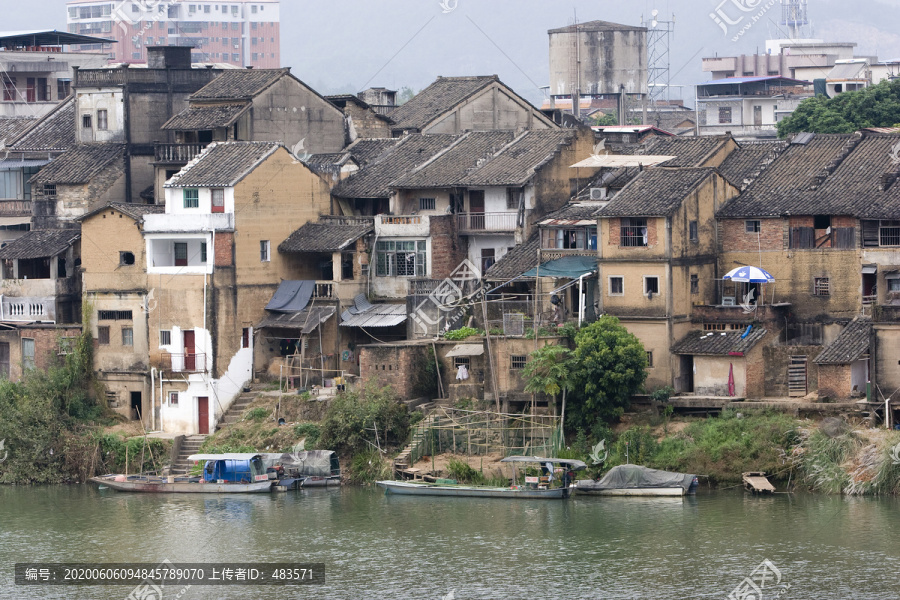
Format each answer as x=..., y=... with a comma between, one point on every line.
x=8, y=221
x=616, y=161
x=379, y=315
x=466, y=350
x=23, y=163
x=869, y=269
x=291, y=296
x=568, y=267
x=305, y=321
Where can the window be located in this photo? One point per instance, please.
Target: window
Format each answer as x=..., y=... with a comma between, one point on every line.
x=651, y=286
x=461, y=361
x=203, y=252
x=821, y=222
x=165, y=337
x=514, y=197
x=264, y=251
x=650, y=360
x=9, y=89
x=191, y=198
x=695, y=284
x=28, y=353
x=245, y=337
x=821, y=286
x=889, y=233
x=114, y=315
x=724, y=115
x=218, y=200
x=426, y=203
x=803, y=238
x=181, y=254
x=103, y=335
x=893, y=284
x=714, y=327
x=126, y=259
x=517, y=363
x=127, y=336
x=633, y=232
x=752, y=226
x=400, y=259
x=102, y=123
x=63, y=88
x=487, y=259
x=50, y=191
x=616, y=286
x=692, y=231
x=173, y=398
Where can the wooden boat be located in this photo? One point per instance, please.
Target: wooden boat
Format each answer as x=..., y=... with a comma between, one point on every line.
x=533, y=487
x=635, y=480
x=239, y=473
x=179, y=485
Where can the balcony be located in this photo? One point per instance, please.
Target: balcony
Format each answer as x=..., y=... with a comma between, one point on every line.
x=402, y=225
x=176, y=153
x=183, y=363
x=486, y=222
x=15, y=208
x=338, y=290
x=555, y=253
x=28, y=310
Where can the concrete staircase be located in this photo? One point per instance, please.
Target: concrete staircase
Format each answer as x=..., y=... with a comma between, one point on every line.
x=237, y=409
x=403, y=460
x=190, y=445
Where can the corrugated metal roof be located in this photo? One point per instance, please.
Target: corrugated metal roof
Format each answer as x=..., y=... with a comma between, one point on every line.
x=466, y=350
x=380, y=315
x=305, y=320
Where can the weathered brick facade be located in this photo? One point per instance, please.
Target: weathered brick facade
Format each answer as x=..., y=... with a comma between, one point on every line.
x=400, y=366
x=734, y=237
x=447, y=249
x=834, y=381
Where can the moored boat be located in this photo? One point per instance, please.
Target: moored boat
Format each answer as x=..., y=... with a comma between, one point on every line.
x=221, y=474
x=536, y=487
x=636, y=480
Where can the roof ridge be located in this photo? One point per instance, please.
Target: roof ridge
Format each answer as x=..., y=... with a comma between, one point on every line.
x=819, y=178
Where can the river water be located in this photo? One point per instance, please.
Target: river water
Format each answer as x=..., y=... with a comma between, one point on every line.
x=377, y=546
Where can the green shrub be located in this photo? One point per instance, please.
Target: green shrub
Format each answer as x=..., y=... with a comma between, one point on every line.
x=310, y=432
x=462, y=333
x=353, y=417
x=257, y=414
x=368, y=466
x=463, y=472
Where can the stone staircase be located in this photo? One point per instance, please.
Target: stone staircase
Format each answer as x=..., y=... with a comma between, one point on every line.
x=190, y=445
x=237, y=409
x=403, y=460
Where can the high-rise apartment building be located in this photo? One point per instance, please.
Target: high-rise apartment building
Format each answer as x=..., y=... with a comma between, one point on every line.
x=244, y=33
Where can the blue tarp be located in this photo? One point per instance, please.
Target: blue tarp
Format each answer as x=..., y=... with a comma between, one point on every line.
x=291, y=296
x=567, y=267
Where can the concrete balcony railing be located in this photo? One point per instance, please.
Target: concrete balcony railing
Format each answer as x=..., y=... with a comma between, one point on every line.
x=402, y=225
x=486, y=222
x=15, y=208
x=28, y=309
x=555, y=253
x=176, y=153
x=338, y=290
x=183, y=363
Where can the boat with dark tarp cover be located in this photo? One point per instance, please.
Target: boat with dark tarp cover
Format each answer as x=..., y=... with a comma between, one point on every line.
x=636, y=480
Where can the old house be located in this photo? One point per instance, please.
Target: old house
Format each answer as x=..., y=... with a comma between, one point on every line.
x=458, y=104
x=748, y=106
x=260, y=105
x=212, y=268
x=363, y=120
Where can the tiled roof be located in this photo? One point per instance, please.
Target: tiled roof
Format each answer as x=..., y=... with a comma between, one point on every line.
x=450, y=166
x=375, y=179
x=223, y=164
x=515, y=262
x=369, y=150
x=54, y=131
x=688, y=151
x=596, y=26
x=783, y=187
x=517, y=163
x=328, y=162
x=656, y=192
x=13, y=127
x=856, y=187
x=328, y=236
x=40, y=243
x=718, y=343
x=134, y=210
x=436, y=99
x=81, y=164
x=200, y=117
x=744, y=163
x=851, y=343
x=570, y=213
x=239, y=84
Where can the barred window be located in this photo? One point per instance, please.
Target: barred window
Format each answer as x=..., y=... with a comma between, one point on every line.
x=400, y=259
x=821, y=286
x=165, y=337
x=517, y=363
x=427, y=203
x=191, y=198
x=633, y=232
x=114, y=315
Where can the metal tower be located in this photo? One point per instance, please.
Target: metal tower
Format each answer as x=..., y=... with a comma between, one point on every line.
x=794, y=16
x=659, y=34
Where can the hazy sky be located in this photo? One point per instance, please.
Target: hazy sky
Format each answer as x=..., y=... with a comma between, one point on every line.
x=346, y=45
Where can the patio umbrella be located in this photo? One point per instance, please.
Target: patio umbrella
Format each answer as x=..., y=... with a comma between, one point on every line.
x=749, y=275
x=731, y=379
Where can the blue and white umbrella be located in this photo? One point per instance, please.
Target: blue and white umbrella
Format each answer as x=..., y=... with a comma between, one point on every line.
x=749, y=275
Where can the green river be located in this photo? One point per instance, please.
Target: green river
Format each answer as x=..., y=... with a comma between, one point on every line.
x=377, y=546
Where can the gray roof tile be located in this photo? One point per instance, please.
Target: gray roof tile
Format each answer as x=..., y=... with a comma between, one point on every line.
x=451, y=165
x=223, y=164
x=81, y=164
x=200, y=117
x=718, y=343
x=850, y=344
x=747, y=161
x=54, y=131
x=436, y=99
x=515, y=262
x=688, y=151
x=656, y=192
x=328, y=235
x=517, y=163
x=365, y=151
x=40, y=243
x=12, y=127
x=239, y=84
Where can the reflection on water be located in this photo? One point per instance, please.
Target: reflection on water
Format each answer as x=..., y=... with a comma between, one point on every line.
x=377, y=546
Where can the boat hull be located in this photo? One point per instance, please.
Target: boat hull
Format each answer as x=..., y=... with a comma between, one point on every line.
x=183, y=487
x=420, y=489
x=633, y=492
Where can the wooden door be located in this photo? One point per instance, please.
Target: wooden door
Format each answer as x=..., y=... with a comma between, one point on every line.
x=4, y=360
x=181, y=254
x=797, y=381
x=476, y=209
x=203, y=415
x=190, y=352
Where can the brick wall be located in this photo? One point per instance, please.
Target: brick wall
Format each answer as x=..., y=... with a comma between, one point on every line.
x=224, y=250
x=734, y=236
x=366, y=123
x=834, y=381
x=615, y=231
x=397, y=366
x=447, y=249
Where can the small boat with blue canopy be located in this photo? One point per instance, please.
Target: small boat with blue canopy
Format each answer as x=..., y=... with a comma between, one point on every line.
x=221, y=474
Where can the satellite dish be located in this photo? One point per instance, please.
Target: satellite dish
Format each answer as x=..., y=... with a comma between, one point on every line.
x=653, y=13
x=653, y=24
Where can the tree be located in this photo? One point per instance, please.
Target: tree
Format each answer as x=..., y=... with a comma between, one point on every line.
x=605, y=119
x=609, y=366
x=406, y=94
x=548, y=371
x=876, y=106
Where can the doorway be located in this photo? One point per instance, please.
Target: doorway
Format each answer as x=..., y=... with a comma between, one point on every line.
x=797, y=377
x=476, y=209
x=190, y=352
x=203, y=415
x=136, y=406
x=684, y=383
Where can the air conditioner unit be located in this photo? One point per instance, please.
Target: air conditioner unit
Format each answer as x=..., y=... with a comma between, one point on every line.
x=598, y=193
